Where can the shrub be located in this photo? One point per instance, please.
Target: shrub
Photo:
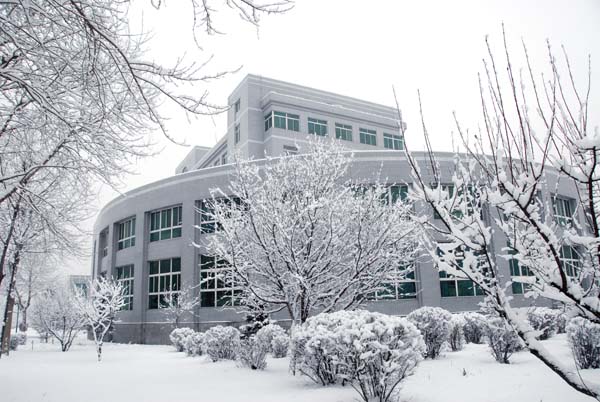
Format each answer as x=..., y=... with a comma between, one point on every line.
x=267, y=333
x=584, y=337
x=456, y=337
x=14, y=343
x=474, y=327
x=373, y=351
x=177, y=337
x=193, y=344
x=253, y=353
x=21, y=338
x=280, y=345
x=502, y=339
x=561, y=323
x=222, y=343
x=434, y=324
x=544, y=320
x=254, y=322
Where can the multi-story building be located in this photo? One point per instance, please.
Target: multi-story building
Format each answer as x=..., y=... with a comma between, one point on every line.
x=144, y=238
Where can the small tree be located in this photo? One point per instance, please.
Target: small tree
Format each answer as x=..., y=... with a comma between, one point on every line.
x=178, y=303
x=100, y=308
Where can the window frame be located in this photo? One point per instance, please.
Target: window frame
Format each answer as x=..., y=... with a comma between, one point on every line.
x=317, y=126
x=367, y=136
x=394, y=287
x=343, y=132
x=282, y=120
x=174, y=229
x=211, y=271
x=127, y=281
x=124, y=241
x=562, y=210
x=393, y=141
x=236, y=134
x=455, y=281
x=155, y=291
x=571, y=264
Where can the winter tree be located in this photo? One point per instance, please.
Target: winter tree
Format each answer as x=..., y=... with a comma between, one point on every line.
x=299, y=235
x=100, y=308
x=177, y=304
x=535, y=137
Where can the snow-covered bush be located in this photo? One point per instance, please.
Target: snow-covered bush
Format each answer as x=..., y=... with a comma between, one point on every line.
x=21, y=338
x=253, y=353
x=178, y=335
x=280, y=345
x=14, y=343
x=193, y=344
x=474, y=327
x=544, y=320
x=267, y=333
x=561, y=323
x=457, y=336
x=434, y=324
x=222, y=343
x=254, y=322
x=502, y=339
x=584, y=337
x=373, y=351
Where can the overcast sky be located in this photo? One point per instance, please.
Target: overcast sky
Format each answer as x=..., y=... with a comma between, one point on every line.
x=362, y=49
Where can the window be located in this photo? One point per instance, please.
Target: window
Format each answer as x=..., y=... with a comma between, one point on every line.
x=236, y=133
x=224, y=158
x=286, y=121
x=343, y=132
x=125, y=278
x=126, y=234
x=518, y=271
x=317, y=127
x=236, y=107
x=392, y=141
x=451, y=285
x=165, y=224
x=207, y=220
x=290, y=150
x=164, y=279
x=401, y=285
x=397, y=192
x=367, y=136
x=268, y=121
x=216, y=283
x=563, y=213
x=571, y=262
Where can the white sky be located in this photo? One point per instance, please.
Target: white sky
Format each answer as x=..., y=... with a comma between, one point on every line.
x=362, y=49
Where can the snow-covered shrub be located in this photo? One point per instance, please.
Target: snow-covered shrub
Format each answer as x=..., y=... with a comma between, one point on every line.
x=21, y=338
x=373, y=351
x=457, y=336
x=584, y=337
x=222, y=343
x=193, y=344
x=561, y=322
x=253, y=353
x=14, y=343
x=544, y=320
x=434, y=324
x=280, y=345
x=177, y=337
x=254, y=322
x=502, y=339
x=267, y=333
x=474, y=327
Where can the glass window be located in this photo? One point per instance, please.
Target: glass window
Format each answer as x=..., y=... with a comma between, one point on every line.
x=518, y=271
x=165, y=224
x=217, y=286
x=126, y=234
x=392, y=141
x=290, y=150
x=401, y=285
x=236, y=107
x=286, y=121
x=367, y=136
x=451, y=285
x=236, y=133
x=317, y=127
x=164, y=279
x=343, y=132
x=397, y=192
x=563, y=212
x=125, y=278
x=571, y=261
x=268, y=121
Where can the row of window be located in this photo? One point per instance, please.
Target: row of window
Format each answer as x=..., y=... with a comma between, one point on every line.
x=289, y=121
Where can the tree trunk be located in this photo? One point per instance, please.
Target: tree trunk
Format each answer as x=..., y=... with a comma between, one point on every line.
x=10, y=303
x=99, y=351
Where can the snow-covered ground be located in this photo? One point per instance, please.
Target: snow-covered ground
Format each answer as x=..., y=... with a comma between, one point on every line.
x=157, y=373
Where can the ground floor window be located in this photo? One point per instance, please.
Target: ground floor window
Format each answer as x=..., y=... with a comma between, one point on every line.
x=164, y=279
x=457, y=285
x=217, y=285
x=125, y=278
x=402, y=284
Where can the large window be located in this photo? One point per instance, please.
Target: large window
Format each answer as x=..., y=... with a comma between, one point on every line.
x=125, y=278
x=397, y=192
x=216, y=283
x=453, y=285
x=391, y=141
x=165, y=224
x=367, y=136
x=164, y=280
x=343, y=132
x=286, y=121
x=563, y=212
x=571, y=261
x=206, y=211
x=317, y=127
x=126, y=234
x=401, y=285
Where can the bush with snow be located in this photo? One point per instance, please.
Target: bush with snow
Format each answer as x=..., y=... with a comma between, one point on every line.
x=502, y=339
x=561, y=322
x=434, y=324
x=222, y=343
x=280, y=345
x=267, y=333
x=544, y=320
x=253, y=353
x=13, y=343
x=584, y=337
x=474, y=327
x=457, y=337
x=177, y=337
x=193, y=344
x=372, y=351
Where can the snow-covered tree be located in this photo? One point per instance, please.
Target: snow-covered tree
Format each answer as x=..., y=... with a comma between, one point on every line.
x=516, y=157
x=434, y=324
x=100, y=308
x=301, y=236
x=177, y=304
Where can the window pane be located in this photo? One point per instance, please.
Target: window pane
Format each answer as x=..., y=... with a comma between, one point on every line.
x=465, y=288
x=177, y=232
x=448, y=288
x=165, y=234
x=176, y=264
x=153, y=267
x=207, y=299
x=153, y=302
x=165, y=266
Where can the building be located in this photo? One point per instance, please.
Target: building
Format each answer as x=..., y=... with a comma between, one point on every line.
x=144, y=237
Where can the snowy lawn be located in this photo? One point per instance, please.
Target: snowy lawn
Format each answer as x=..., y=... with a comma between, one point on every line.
x=157, y=373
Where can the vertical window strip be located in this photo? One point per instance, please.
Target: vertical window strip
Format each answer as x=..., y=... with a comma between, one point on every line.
x=125, y=278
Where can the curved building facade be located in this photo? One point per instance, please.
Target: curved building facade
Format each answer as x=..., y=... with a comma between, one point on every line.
x=144, y=238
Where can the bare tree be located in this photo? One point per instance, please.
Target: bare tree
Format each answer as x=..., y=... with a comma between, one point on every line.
x=176, y=304
x=300, y=236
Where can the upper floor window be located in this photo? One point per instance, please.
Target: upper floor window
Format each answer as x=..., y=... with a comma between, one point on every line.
x=236, y=107
x=570, y=260
x=164, y=281
x=126, y=234
x=165, y=224
x=286, y=121
x=125, y=278
x=391, y=141
x=317, y=127
x=224, y=158
x=367, y=136
x=343, y=132
x=563, y=211
x=206, y=210
x=236, y=133
x=397, y=192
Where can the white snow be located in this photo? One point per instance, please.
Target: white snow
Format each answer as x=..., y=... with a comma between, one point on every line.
x=158, y=373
